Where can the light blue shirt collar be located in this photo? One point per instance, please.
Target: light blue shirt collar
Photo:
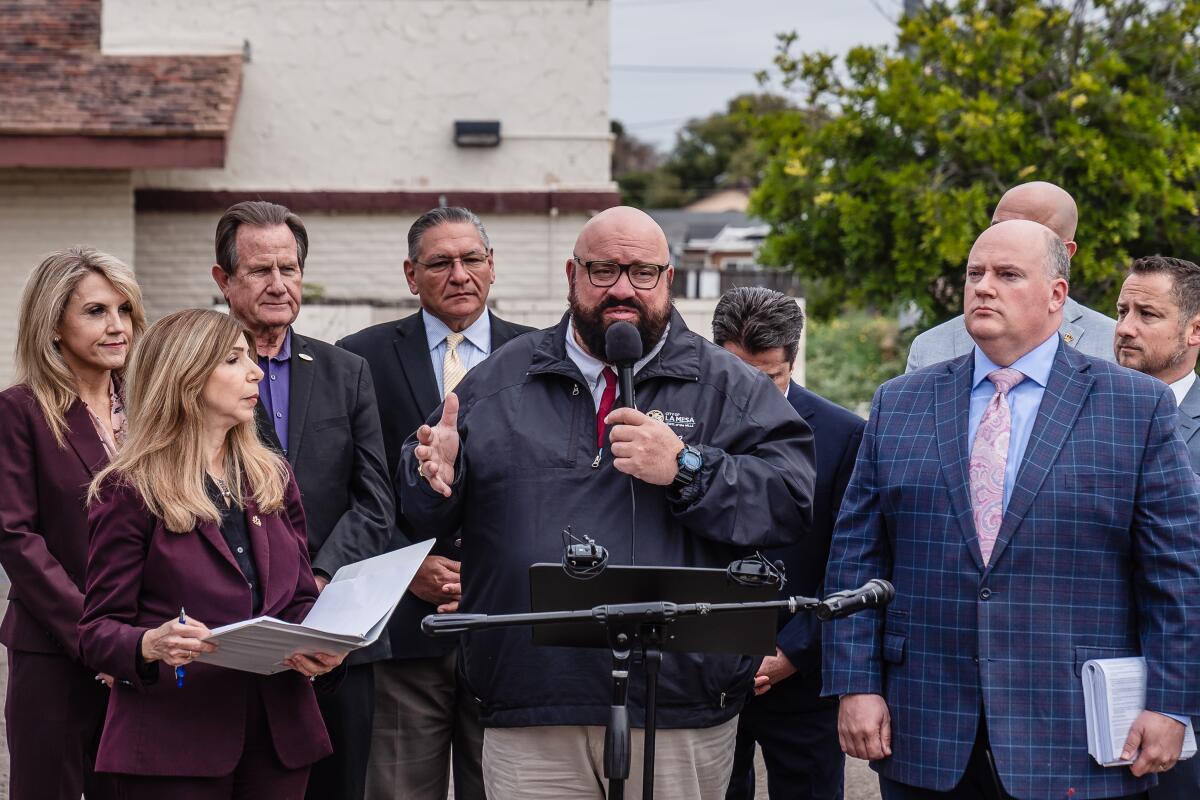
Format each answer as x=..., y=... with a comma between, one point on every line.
x=478, y=333
x=1034, y=365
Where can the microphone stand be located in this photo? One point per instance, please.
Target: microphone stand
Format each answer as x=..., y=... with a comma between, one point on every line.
x=628, y=623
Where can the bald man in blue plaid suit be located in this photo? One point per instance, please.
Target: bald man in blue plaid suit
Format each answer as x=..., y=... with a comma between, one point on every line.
x=968, y=685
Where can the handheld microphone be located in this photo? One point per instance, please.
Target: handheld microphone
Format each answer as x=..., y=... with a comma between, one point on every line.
x=622, y=348
x=875, y=593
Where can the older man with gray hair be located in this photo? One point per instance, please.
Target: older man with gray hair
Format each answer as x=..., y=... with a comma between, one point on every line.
x=422, y=711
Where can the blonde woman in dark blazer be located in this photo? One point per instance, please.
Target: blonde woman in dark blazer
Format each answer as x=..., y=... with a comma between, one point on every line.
x=59, y=424
x=195, y=513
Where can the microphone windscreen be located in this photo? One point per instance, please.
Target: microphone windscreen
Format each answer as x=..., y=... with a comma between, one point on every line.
x=622, y=343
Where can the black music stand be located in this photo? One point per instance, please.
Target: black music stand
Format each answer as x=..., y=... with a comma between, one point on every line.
x=750, y=632
x=649, y=624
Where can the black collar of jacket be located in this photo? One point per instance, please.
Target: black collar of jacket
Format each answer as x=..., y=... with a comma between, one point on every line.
x=679, y=358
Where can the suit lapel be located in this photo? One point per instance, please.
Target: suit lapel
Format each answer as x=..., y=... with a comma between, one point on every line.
x=412, y=350
x=1071, y=333
x=83, y=438
x=501, y=331
x=300, y=390
x=1189, y=412
x=260, y=546
x=1065, y=394
x=266, y=429
x=211, y=532
x=952, y=401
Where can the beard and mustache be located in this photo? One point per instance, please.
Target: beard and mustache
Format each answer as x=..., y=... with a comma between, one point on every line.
x=591, y=326
x=1152, y=364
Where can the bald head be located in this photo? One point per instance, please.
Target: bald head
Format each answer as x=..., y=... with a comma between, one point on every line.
x=623, y=227
x=1015, y=289
x=1041, y=202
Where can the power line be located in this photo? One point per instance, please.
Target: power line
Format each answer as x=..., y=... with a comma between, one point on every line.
x=685, y=69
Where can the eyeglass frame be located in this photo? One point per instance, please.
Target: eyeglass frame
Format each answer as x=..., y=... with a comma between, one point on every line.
x=439, y=267
x=622, y=269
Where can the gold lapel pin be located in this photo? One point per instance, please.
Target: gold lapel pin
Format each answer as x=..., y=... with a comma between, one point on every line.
x=1068, y=337
x=305, y=357
x=256, y=520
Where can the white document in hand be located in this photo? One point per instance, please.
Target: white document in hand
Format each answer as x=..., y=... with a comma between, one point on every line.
x=1114, y=693
x=351, y=612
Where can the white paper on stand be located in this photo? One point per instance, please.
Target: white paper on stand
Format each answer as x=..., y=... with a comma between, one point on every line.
x=1114, y=693
x=351, y=612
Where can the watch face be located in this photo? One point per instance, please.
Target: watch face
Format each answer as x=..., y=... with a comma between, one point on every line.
x=689, y=459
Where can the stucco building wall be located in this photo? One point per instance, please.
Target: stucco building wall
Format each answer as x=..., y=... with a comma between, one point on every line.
x=46, y=210
x=361, y=94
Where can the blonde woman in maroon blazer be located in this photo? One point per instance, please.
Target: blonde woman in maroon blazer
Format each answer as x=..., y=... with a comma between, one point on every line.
x=59, y=424
x=196, y=514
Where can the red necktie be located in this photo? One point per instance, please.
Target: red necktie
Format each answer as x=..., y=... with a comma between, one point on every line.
x=606, y=403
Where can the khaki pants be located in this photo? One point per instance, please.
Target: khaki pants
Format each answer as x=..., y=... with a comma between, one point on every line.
x=559, y=761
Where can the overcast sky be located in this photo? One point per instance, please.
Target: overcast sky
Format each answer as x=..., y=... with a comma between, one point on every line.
x=708, y=51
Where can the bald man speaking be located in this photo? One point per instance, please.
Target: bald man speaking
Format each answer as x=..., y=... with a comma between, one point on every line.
x=1088, y=331
x=532, y=442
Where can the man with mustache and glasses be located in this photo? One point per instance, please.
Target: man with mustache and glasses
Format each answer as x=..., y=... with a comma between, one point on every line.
x=425, y=721
x=529, y=445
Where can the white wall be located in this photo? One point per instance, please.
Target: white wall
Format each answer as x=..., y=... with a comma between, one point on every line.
x=46, y=210
x=362, y=94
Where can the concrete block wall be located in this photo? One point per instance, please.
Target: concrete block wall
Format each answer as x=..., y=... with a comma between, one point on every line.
x=46, y=210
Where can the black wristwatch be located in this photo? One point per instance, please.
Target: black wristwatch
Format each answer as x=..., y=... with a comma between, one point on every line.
x=689, y=462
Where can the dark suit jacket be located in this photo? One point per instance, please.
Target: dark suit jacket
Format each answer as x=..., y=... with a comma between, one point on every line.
x=139, y=575
x=1097, y=556
x=43, y=523
x=398, y=353
x=335, y=448
x=837, y=434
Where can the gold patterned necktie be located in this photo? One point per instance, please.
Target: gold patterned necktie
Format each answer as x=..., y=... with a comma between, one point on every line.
x=453, y=369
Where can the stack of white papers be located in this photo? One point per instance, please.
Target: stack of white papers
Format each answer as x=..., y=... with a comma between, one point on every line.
x=351, y=612
x=1114, y=693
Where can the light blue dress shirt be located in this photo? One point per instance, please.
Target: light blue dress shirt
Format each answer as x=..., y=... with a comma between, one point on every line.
x=1024, y=399
x=472, y=350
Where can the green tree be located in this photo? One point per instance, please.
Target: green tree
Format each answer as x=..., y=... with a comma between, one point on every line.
x=711, y=153
x=718, y=151
x=878, y=190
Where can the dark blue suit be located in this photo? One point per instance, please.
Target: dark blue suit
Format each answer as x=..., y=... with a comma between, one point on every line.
x=794, y=725
x=1098, y=556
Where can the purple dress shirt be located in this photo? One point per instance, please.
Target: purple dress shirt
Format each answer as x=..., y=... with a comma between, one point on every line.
x=275, y=389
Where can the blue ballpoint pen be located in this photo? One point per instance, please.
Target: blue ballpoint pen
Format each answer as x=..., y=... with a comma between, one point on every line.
x=179, y=671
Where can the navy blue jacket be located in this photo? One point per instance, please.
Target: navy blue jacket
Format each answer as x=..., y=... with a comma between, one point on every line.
x=528, y=468
x=837, y=434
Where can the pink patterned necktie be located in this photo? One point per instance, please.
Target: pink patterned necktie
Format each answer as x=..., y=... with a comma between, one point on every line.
x=989, y=454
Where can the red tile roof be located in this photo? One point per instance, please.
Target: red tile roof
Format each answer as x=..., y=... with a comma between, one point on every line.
x=55, y=82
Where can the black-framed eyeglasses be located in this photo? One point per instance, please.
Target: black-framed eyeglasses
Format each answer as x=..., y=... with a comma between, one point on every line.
x=604, y=274
x=471, y=262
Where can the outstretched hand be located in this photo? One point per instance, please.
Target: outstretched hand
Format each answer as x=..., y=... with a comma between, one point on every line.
x=437, y=448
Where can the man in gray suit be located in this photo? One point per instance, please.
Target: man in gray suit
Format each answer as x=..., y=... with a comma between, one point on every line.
x=1088, y=330
x=1158, y=333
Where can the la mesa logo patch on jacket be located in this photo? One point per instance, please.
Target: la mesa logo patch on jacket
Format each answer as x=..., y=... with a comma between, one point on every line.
x=673, y=418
